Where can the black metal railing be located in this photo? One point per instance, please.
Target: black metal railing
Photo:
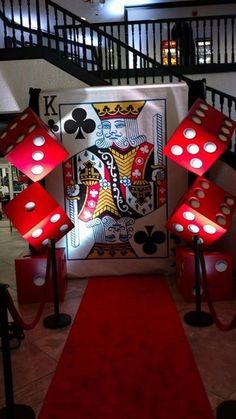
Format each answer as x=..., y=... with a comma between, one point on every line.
x=180, y=41
x=27, y=23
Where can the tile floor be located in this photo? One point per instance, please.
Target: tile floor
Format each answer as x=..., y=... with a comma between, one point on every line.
x=34, y=363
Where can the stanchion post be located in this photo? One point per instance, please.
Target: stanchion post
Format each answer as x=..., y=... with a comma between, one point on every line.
x=56, y=320
x=197, y=318
x=6, y=354
x=11, y=410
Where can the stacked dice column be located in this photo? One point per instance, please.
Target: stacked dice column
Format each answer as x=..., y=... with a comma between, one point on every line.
x=29, y=144
x=204, y=213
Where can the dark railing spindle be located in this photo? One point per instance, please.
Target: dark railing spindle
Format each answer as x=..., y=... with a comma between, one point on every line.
x=135, y=68
x=161, y=39
x=48, y=27
x=83, y=30
x=154, y=41
x=21, y=24
x=211, y=38
x=109, y=61
x=13, y=23
x=119, y=58
x=29, y=23
x=76, y=38
x=112, y=58
x=204, y=37
x=145, y=71
x=4, y=25
x=218, y=41
x=126, y=68
x=147, y=39
x=197, y=36
x=140, y=42
x=105, y=41
x=213, y=99
x=132, y=36
x=119, y=63
x=39, y=31
x=229, y=101
x=154, y=51
x=232, y=40
x=126, y=53
x=225, y=33
x=65, y=34
x=73, y=45
x=168, y=40
x=221, y=103
x=56, y=30
x=92, y=51
x=100, y=54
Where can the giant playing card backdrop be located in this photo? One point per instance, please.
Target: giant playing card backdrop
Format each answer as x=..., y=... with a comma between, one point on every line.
x=116, y=186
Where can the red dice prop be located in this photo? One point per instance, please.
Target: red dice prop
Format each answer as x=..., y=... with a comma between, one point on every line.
x=30, y=277
x=37, y=216
x=205, y=210
x=219, y=271
x=200, y=138
x=29, y=144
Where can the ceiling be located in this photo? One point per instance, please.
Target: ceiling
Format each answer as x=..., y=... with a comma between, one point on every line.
x=112, y=10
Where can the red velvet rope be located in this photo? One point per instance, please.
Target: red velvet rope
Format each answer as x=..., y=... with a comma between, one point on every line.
x=13, y=311
x=221, y=326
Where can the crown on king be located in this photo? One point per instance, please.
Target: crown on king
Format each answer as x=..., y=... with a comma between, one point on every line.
x=118, y=109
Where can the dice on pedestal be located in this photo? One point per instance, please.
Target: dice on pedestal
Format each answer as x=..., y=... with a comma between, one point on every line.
x=201, y=138
x=219, y=270
x=31, y=276
x=205, y=210
x=37, y=216
x=29, y=144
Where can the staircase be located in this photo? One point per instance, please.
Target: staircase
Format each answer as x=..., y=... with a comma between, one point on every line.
x=102, y=54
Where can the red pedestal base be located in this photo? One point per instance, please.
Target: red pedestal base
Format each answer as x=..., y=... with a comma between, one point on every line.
x=219, y=269
x=30, y=277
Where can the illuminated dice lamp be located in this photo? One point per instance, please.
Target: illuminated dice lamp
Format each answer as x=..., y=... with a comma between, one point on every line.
x=201, y=138
x=37, y=216
x=203, y=214
x=205, y=210
x=29, y=144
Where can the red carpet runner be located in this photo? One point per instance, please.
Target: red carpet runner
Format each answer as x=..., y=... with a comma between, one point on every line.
x=126, y=357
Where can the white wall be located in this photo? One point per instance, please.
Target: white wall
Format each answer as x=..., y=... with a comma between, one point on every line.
x=225, y=82
x=17, y=77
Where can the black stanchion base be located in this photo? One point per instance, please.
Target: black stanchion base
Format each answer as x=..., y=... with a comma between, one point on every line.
x=202, y=319
x=226, y=410
x=20, y=412
x=57, y=321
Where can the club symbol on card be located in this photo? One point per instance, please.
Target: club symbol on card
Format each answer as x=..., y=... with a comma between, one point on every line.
x=52, y=125
x=149, y=239
x=79, y=124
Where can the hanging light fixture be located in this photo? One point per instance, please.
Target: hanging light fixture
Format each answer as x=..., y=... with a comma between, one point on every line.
x=95, y=2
